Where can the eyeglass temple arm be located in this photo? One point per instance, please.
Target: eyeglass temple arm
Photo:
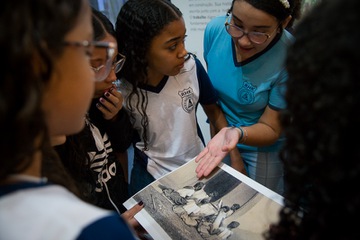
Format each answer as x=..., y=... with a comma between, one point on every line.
x=104, y=44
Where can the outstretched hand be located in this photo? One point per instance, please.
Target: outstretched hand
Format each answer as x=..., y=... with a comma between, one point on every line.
x=216, y=150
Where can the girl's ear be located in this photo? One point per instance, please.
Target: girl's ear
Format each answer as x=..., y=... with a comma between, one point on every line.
x=286, y=21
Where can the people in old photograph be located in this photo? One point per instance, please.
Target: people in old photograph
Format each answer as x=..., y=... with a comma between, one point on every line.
x=225, y=205
x=194, y=206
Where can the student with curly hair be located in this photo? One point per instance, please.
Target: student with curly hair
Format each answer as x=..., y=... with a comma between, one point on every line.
x=162, y=86
x=321, y=155
x=321, y=158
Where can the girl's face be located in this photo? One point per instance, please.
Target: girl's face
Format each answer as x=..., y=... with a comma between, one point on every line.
x=251, y=19
x=99, y=58
x=166, y=55
x=69, y=93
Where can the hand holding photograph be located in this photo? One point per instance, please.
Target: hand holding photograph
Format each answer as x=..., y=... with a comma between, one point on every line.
x=224, y=205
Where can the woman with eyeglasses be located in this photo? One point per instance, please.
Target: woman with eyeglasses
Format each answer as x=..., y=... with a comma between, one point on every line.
x=44, y=96
x=93, y=156
x=245, y=51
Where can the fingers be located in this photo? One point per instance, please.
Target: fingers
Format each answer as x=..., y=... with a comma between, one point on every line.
x=129, y=214
x=110, y=104
x=212, y=165
x=203, y=158
x=114, y=98
x=207, y=164
x=201, y=154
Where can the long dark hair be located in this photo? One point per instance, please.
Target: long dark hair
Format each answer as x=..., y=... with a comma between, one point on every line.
x=29, y=44
x=138, y=22
x=101, y=25
x=321, y=155
x=73, y=153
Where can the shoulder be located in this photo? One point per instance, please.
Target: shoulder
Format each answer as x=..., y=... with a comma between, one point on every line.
x=109, y=227
x=216, y=22
x=194, y=66
x=190, y=64
x=215, y=32
x=73, y=217
x=197, y=61
x=276, y=55
x=287, y=38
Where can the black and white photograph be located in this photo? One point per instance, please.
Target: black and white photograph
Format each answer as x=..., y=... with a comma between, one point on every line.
x=225, y=205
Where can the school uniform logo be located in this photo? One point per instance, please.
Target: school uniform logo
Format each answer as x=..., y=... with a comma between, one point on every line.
x=187, y=99
x=246, y=93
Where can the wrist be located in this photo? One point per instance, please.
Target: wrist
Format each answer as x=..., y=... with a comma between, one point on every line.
x=240, y=131
x=243, y=136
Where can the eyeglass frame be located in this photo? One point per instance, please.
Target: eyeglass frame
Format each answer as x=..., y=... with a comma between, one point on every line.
x=110, y=46
x=228, y=24
x=114, y=65
x=110, y=50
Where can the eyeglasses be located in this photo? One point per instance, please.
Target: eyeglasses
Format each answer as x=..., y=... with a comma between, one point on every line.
x=237, y=32
x=102, y=71
x=90, y=45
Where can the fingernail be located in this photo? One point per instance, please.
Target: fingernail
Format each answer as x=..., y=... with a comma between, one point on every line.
x=107, y=94
x=102, y=100
x=111, y=89
x=98, y=105
x=141, y=203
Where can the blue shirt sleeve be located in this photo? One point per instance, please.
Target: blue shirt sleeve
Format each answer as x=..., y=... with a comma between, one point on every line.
x=208, y=94
x=108, y=228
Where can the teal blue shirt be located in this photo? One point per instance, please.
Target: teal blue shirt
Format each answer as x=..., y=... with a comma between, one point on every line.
x=246, y=89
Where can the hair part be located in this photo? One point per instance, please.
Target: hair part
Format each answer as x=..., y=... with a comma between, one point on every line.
x=101, y=25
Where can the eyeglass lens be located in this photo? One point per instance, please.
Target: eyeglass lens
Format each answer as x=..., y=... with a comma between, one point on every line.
x=237, y=32
x=117, y=66
x=103, y=71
